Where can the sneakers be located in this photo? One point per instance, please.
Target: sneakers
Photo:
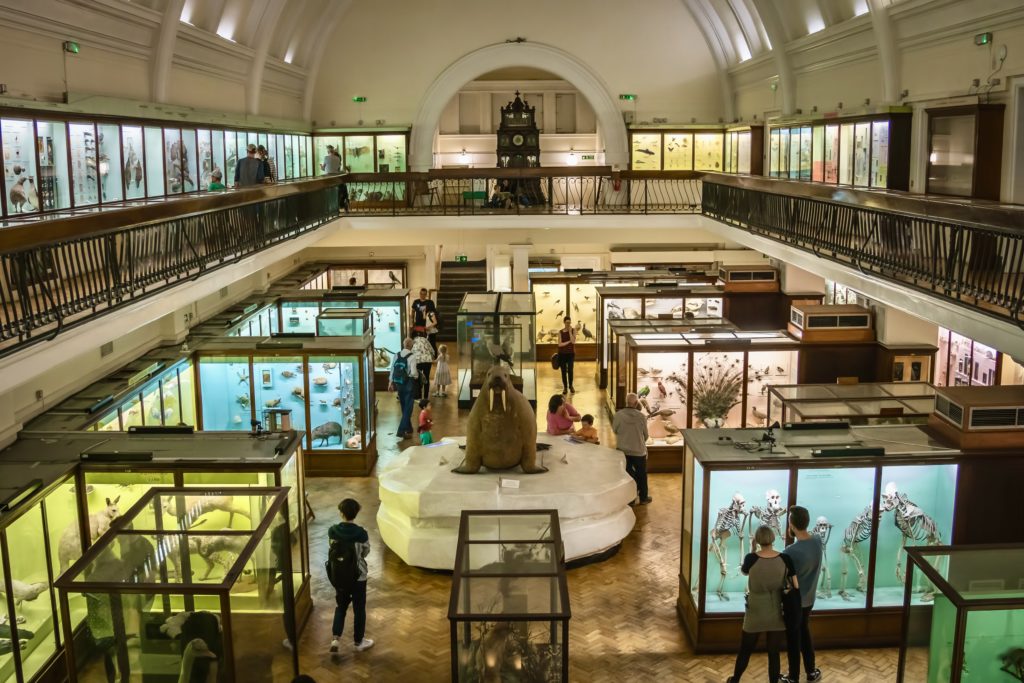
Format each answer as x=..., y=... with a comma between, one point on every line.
x=814, y=675
x=334, y=645
x=787, y=679
x=365, y=644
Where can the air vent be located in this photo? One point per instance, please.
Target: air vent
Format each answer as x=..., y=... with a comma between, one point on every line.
x=949, y=410
x=993, y=417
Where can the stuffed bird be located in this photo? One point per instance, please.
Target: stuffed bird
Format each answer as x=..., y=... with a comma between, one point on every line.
x=395, y=282
x=587, y=334
x=17, y=195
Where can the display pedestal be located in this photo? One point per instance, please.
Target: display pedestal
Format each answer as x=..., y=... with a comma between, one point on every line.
x=421, y=499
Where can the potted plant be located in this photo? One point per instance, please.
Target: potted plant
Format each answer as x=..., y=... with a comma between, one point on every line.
x=716, y=389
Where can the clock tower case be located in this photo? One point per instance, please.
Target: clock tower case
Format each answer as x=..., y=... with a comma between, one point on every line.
x=519, y=147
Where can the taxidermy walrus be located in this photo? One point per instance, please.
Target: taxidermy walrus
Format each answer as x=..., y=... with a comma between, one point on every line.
x=502, y=431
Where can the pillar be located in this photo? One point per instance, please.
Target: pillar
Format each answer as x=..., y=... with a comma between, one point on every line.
x=520, y=267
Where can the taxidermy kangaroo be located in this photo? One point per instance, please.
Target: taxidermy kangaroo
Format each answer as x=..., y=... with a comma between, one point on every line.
x=99, y=522
x=197, y=506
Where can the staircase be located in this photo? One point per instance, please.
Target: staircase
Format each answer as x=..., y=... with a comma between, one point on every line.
x=456, y=280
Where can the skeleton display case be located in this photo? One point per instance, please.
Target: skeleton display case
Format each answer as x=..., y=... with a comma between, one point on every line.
x=326, y=381
x=509, y=607
x=867, y=509
x=973, y=630
x=193, y=583
x=859, y=404
x=496, y=329
x=39, y=536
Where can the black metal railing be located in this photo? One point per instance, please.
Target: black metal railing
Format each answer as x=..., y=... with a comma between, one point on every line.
x=44, y=287
x=980, y=266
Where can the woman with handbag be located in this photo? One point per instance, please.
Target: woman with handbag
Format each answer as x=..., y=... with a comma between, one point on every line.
x=769, y=575
x=567, y=354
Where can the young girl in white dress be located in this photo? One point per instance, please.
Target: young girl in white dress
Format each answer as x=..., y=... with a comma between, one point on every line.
x=442, y=375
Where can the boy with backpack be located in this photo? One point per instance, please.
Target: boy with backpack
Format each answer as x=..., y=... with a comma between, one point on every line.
x=404, y=378
x=346, y=570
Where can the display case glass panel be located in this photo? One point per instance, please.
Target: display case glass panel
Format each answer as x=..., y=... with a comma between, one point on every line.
x=861, y=153
x=846, y=147
x=678, y=151
x=322, y=142
x=279, y=151
x=28, y=566
x=496, y=328
x=551, y=301
x=111, y=493
x=831, y=163
x=794, y=153
x=382, y=276
x=784, y=153
x=707, y=152
x=262, y=323
x=805, y=153
x=697, y=522
x=173, y=168
x=55, y=186
x=646, y=151
x=343, y=323
x=218, y=163
x=359, y=153
x=764, y=494
x=280, y=383
x=84, y=182
x=765, y=368
x=743, y=159
x=952, y=154
x=188, y=158
x=63, y=536
x=204, y=155
x=231, y=152
x=20, y=167
x=716, y=397
x=661, y=385
x=111, y=186
x=775, y=152
x=818, y=154
x=387, y=327
x=289, y=156
x=335, y=389
x=299, y=316
x=879, y=153
x=226, y=403
x=391, y=154
x=154, y=162
x=914, y=509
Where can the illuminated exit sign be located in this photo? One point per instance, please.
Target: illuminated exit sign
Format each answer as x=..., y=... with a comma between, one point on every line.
x=627, y=97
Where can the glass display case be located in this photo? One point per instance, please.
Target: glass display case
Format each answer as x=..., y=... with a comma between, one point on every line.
x=327, y=382
x=965, y=147
x=974, y=627
x=961, y=361
x=258, y=321
x=557, y=296
x=496, y=329
x=734, y=150
x=864, y=151
x=509, y=608
x=366, y=152
x=39, y=539
x=858, y=404
x=108, y=163
x=345, y=322
x=389, y=275
x=20, y=176
x=55, y=183
x=180, y=586
x=737, y=480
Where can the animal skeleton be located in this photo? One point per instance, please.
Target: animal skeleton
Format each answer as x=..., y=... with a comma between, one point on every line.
x=823, y=529
x=770, y=515
x=218, y=550
x=1013, y=663
x=730, y=520
x=856, y=533
x=914, y=525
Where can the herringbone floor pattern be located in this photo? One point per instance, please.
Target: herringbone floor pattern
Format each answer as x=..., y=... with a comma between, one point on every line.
x=624, y=625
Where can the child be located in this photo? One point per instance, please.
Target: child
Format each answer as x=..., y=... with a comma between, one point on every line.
x=426, y=422
x=349, y=581
x=587, y=432
x=442, y=375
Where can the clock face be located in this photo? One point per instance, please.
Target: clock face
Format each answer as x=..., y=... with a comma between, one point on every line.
x=517, y=139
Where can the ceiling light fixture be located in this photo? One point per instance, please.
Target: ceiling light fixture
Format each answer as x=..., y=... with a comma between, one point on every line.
x=464, y=157
x=572, y=160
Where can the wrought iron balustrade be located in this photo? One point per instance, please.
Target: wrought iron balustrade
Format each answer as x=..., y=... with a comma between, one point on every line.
x=973, y=264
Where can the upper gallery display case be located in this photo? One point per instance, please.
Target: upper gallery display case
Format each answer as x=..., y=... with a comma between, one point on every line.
x=186, y=572
x=732, y=150
x=965, y=151
x=370, y=275
x=973, y=629
x=365, y=151
x=509, y=607
x=857, y=404
x=54, y=162
x=327, y=382
x=872, y=150
x=40, y=536
x=493, y=329
x=866, y=509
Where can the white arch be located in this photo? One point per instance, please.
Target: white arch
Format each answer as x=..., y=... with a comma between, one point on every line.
x=537, y=55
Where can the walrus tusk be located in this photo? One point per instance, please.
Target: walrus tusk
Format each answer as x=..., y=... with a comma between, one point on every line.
x=490, y=403
x=504, y=406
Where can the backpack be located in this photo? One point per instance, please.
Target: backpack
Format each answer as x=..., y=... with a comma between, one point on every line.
x=400, y=370
x=342, y=565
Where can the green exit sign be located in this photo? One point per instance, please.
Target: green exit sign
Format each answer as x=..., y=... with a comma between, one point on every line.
x=587, y=157
x=71, y=46
x=983, y=38
x=358, y=98
x=627, y=97
x=461, y=258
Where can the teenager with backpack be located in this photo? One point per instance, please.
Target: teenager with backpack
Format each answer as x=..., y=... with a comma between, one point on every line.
x=346, y=570
x=404, y=380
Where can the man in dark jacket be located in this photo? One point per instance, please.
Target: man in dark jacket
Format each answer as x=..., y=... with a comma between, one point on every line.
x=249, y=171
x=630, y=429
x=349, y=532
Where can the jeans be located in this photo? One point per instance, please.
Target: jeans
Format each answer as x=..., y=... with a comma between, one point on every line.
x=636, y=467
x=432, y=338
x=424, y=380
x=565, y=362
x=406, y=396
x=798, y=642
x=357, y=598
x=747, y=644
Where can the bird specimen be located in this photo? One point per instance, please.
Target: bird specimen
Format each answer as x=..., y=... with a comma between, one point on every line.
x=17, y=195
x=395, y=282
x=758, y=415
x=24, y=591
x=587, y=334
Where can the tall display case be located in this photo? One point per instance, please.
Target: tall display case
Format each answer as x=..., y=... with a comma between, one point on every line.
x=560, y=294
x=965, y=150
x=365, y=151
x=734, y=150
x=509, y=607
x=974, y=628
x=496, y=329
x=858, y=404
x=40, y=535
x=865, y=508
x=185, y=565
x=326, y=381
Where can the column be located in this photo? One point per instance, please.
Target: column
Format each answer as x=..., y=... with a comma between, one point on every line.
x=520, y=267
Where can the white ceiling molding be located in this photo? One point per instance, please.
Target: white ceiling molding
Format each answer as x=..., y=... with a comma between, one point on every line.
x=888, y=55
x=163, y=50
x=320, y=43
x=262, y=48
x=777, y=37
x=714, y=43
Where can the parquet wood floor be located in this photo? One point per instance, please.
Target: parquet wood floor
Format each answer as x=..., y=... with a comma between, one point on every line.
x=624, y=625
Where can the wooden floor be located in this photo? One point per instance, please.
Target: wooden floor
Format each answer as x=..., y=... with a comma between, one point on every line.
x=624, y=625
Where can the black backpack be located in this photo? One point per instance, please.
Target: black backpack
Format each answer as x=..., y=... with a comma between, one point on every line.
x=400, y=370
x=342, y=565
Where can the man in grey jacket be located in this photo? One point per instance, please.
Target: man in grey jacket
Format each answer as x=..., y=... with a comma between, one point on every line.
x=249, y=171
x=630, y=428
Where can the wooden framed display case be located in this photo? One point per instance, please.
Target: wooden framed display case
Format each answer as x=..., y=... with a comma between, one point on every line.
x=345, y=322
x=211, y=563
x=341, y=275
x=40, y=536
x=706, y=379
x=749, y=278
x=326, y=381
x=733, y=486
x=965, y=151
x=496, y=328
x=973, y=629
x=980, y=417
x=365, y=151
x=872, y=150
x=733, y=150
x=831, y=323
x=753, y=310
x=557, y=295
x=857, y=404
x=509, y=587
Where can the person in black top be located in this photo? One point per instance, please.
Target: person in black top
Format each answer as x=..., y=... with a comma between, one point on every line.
x=567, y=354
x=424, y=319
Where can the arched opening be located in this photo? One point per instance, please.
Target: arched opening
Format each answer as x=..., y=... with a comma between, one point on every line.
x=492, y=58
